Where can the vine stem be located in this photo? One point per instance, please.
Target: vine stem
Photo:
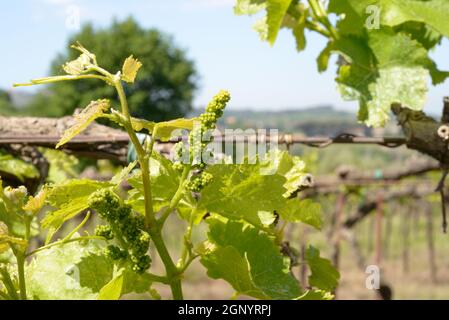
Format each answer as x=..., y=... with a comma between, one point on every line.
x=21, y=270
x=64, y=241
x=321, y=15
x=152, y=226
x=186, y=256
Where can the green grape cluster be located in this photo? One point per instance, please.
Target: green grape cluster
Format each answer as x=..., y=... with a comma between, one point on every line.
x=124, y=226
x=208, y=120
x=214, y=110
x=179, y=151
x=199, y=181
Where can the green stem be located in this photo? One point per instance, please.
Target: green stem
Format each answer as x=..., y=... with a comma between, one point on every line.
x=156, y=278
x=170, y=267
x=312, y=25
x=142, y=157
x=64, y=241
x=152, y=226
x=20, y=256
x=128, y=127
x=7, y=282
x=322, y=17
x=187, y=248
x=60, y=78
x=188, y=262
x=70, y=235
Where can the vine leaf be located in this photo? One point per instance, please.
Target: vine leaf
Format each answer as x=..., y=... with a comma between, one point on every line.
x=57, y=273
x=399, y=75
x=70, y=199
x=35, y=204
x=276, y=10
x=78, y=66
x=112, y=290
x=305, y=211
x=80, y=271
x=249, y=260
x=396, y=12
x=94, y=110
x=17, y=167
x=261, y=193
x=123, y=174
x=130, y=68
x=316, y=295
x=324, y=275
x=164, y=183
x=296, y=20
x=165, y=129
x=140, y=124
x=81, y=64
x=248, y=7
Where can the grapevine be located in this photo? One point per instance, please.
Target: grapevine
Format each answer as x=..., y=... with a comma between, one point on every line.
x=132, y=221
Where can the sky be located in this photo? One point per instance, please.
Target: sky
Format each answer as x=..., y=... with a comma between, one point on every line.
x=227, y=52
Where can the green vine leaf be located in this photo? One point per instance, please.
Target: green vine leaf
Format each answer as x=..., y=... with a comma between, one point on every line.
x=249, y=261
x=164, y=183
x=123, y=174
x=94, y=110
x=224, y=195
x=82, y=64
x=35, y=204
x=17, y=167
x=112, y=290
x=69, y=199
x=305, y=211
x=396, y=12
x=383, y=47
x=80, y=271
x=276, y=10
x=130, y=68
x=248, y=7
x=140, y=124
x=165, y=129
x=400, y=74
x=316, y=295
x=57, y=273
x=324, y=275
x=78, y=66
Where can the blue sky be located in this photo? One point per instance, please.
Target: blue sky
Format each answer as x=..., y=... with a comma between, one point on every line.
x=227, y=52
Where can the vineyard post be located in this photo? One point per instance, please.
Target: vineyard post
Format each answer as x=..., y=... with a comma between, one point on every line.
x=388, y=230
x=430, y=241
x=379, y=218
x=406, y=240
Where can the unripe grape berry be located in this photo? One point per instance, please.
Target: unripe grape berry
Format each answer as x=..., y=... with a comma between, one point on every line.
x=114, y=252
x=104, y=231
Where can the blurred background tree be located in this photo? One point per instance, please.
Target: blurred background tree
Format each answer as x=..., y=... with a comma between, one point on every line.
x=164, y=86
x=6, y=107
